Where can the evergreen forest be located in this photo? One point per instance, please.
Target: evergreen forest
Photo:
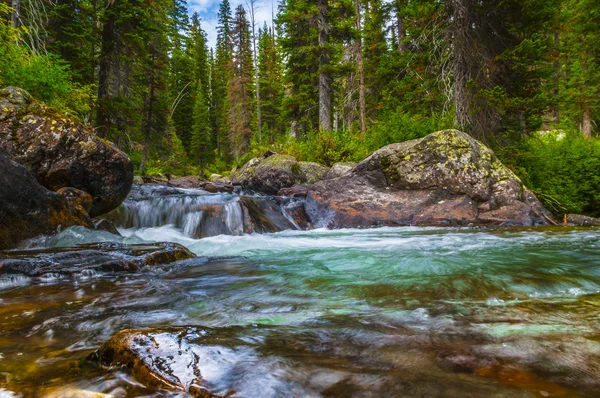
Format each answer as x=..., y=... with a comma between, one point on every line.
x=324, y=81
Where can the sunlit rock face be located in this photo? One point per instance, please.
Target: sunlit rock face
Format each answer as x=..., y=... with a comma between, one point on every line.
x=447, y=178
x=60, y=152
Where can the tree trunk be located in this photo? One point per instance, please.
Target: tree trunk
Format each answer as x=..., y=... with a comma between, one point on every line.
x=401, y=29
x=462, y=52
x=16, y=14
x=253, y=21
x=586, y=124
x=105, y=63
x=148, y=123
x=361, y=76
x=556, y=110
x=324, y=61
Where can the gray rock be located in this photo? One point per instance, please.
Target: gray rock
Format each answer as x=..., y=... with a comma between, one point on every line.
x=339, y=169
x=582, y=221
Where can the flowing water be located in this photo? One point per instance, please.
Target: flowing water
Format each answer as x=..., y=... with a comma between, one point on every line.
x=389, y=312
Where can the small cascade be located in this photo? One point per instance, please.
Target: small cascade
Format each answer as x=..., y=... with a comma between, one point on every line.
x=199, y=214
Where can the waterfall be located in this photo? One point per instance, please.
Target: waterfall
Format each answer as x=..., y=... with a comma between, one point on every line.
x=199, y=214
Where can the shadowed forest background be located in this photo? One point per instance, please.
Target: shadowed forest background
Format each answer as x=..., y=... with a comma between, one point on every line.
x=327, y=81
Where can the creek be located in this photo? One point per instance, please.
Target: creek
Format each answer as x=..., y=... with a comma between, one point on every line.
x=411, y=312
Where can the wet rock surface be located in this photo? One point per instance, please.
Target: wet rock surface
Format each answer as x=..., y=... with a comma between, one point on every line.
x=445, y=179
x=27, y=209
x=159, y=359
x=274, y=172
x=60, y=152
x=106, y=257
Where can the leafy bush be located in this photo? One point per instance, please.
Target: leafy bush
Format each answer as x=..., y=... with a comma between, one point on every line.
x=399, y=126
x=46, y=77
x=562, y=168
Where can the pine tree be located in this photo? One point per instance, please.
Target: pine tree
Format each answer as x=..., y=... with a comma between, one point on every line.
x=240, y=90
x=581, y=63
x=155, y=66
x=181, y=74
x=298, y=23
x=201, y=130
x=269, y=75
x=221, y=77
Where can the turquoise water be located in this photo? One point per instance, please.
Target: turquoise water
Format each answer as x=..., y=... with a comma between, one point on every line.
x=380, y=312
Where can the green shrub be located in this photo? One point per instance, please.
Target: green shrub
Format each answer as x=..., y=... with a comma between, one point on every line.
x=563, y=169
x=399, y=127
x=46, y=77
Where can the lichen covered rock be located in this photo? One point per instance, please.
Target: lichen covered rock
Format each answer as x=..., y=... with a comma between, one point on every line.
x=27, y=209
x=447, y=178
x=274, y=172
x=60, y=152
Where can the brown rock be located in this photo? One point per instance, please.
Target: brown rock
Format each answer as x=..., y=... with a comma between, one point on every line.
x=60, y=152
x=297, y=191
x=186, y=182
x=77, y=197
x=27, y=209
x=446, y=178
x=164, y=360
x=215, y=187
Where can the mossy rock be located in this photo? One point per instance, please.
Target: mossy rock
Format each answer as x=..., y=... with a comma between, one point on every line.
x=269, y=175
x=60, y=152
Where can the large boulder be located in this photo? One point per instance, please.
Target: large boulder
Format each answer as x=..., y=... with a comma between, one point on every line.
x=445, y=179
x=61, y=152
x=274, y=172
x=27, y=209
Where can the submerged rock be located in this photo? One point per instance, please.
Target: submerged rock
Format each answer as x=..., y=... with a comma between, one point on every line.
x=108, y=257
x=274, y=172
x=27, y=209
x=445, y=179
x=60, y=152
x=162, y=360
